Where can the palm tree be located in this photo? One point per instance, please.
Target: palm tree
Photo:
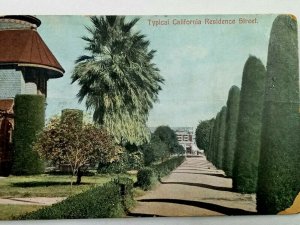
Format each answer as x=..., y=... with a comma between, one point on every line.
x=118, y=79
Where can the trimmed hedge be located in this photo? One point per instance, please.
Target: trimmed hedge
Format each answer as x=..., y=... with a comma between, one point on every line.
x=110, y=200
x=146, y=178
x=29, y=120
x=247, y=151
x=166, y=167
x=221, y=138
x=231, y=126
x=279, y=168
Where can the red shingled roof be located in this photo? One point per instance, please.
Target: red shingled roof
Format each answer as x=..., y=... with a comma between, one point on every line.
x=27, y=47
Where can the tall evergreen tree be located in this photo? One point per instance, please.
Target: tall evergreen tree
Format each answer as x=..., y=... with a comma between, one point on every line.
x=203, y=133
x=246, y=156
x=221, y=138
x=118, y=80
x=279, y=168
x=211, y=139
x=216, y=132
x=233, y=102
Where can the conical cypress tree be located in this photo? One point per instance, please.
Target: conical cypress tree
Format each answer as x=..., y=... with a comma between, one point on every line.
x=211, y=136
x=247, y=150
x=221, y=137
x=279, y=168
x=29, y=120
x=215, y=139
x=231, y=126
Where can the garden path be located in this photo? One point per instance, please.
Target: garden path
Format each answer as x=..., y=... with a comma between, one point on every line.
x=30, y=201
x=195, y=188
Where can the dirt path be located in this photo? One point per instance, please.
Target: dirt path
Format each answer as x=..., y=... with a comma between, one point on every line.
x=195, y=188
x=30, y=201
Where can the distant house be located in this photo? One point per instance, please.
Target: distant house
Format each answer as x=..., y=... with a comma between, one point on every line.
x=186, y=138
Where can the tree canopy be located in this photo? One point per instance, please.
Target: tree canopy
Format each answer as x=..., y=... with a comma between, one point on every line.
x=77, y=146
x=118, y=80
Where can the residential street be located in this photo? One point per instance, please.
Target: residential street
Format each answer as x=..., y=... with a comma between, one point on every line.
x=195, y=188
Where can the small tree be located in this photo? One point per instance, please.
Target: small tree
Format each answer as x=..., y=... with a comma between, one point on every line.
x=155, y=150
x=77, y=146
x=167, y=136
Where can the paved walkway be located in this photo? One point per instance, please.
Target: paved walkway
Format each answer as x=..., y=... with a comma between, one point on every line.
x=195, y=188
x=30, y=201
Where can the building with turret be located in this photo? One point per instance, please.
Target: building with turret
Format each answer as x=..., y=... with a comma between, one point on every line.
x=26, y=64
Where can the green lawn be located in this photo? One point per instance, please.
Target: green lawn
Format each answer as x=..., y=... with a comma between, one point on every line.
x=44, y=186
x=48, y=185
x=9, y=212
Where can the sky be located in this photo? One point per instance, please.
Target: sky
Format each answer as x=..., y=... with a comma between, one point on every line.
x=199, y=62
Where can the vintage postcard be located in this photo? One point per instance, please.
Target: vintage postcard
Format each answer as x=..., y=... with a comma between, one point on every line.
x=105, y=116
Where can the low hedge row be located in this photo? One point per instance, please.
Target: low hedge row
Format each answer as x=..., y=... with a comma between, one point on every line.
x=111, y=200
x=166, y=167
x=148, y=176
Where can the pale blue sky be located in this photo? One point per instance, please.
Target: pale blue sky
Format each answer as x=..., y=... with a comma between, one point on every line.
x=199, y=62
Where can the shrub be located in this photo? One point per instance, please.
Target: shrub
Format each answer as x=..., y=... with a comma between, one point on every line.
x=146, y=178
x=29, y=120
x=111, y=200
x=221, y=138
x=249, y=127
x=279, y=167
x=127, y=161
x=231, y=126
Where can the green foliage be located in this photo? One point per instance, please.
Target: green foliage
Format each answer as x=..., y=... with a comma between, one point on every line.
x=66, y=143
x=279, y=167
x=231, y=127
x=155, y=150
x=127, y=161
x=146, y=178
x=163, y=143
x=216, y=132
x=29, y=120
x=203, y=134
x=111, y=200
x=249, y=127
x=169, y=137
x=209, y=152
x=221, y=137
x=75, y=115
x=118, y=80
x=166, y=167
